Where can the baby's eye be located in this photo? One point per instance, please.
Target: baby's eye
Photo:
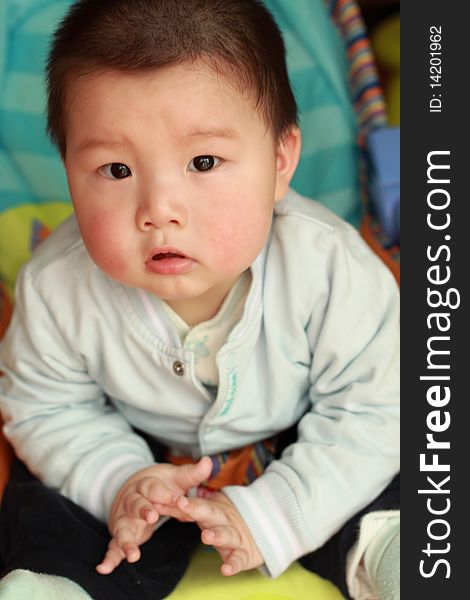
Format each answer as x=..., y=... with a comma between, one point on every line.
x=203, y=163
x=115, y=171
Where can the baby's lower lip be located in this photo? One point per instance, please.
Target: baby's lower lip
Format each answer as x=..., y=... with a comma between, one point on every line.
x=172, y=265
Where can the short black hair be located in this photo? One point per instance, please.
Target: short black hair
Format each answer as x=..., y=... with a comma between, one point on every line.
x=238, y=38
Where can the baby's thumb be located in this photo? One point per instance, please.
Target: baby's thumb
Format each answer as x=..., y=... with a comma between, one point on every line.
x=193, y=475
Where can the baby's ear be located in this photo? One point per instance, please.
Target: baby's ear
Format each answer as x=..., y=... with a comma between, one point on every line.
x=287, y=159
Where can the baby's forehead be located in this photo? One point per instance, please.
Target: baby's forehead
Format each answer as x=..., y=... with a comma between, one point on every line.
x=215, y=74
x=182, y=102
x=193, y=77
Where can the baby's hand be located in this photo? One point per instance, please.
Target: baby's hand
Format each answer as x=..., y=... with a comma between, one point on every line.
x=223, y=527
x=134, y=518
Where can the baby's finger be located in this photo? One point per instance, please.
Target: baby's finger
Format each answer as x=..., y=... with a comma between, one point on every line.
x=171, y=511
x=153, y=490
x=221, y=537
x=235, y=563
x=125, y=538
x=192, y=475
x=137, y=506
x=112, y=559
x=204, y=512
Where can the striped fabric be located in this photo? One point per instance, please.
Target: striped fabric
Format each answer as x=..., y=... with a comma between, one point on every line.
x=237, y=467
x=367, y=96
x=366, y=91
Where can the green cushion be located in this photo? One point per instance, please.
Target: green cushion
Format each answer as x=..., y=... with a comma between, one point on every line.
x=22, y=229
x=203, y=581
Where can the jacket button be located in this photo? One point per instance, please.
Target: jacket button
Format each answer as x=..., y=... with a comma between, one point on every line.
x=178, y=368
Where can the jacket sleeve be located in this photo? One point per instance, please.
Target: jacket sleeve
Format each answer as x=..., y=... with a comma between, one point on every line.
x=347, y=449
x=56, y=417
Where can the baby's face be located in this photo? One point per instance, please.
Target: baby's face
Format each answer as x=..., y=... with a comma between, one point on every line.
x=173, y=176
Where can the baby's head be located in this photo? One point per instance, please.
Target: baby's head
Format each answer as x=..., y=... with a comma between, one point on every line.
x=177, y=126
x=237, y=39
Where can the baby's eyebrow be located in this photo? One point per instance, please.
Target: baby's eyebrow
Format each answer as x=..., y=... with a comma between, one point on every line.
x=92, y=143
x=227, y=133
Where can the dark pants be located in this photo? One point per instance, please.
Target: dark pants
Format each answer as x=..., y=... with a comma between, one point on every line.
x=42, y=531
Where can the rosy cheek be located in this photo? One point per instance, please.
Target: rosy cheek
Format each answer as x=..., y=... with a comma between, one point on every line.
x=104, y=243
x=111, y=263
x=239, y=238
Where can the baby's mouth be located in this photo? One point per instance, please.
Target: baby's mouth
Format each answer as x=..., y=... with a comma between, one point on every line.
x=163, y=255
x=169, y=261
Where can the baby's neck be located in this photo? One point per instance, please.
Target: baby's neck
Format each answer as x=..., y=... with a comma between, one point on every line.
x=193, y=312
x=203, y=308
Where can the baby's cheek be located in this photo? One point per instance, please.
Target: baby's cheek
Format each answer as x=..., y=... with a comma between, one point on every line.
x=105, y=245
x=112, y=264
x=228, y=244
x=239, y=240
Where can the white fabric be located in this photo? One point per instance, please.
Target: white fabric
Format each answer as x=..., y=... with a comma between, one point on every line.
x=21, y=584
x=359, y=585
x=207, y=338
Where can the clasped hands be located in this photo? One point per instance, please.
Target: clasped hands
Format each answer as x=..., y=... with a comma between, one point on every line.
x=161, y=490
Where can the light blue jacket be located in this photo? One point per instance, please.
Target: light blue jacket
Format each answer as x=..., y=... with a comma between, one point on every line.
x=86, y=358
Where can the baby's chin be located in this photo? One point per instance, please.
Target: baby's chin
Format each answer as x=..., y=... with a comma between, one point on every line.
x=174, y=288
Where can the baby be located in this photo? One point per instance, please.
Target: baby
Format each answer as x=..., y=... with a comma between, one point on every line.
x=198, y=342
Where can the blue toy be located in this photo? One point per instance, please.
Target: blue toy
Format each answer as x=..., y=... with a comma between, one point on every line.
x=384, y=153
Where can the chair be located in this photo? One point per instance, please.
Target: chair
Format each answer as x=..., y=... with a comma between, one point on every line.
x=334, y=79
